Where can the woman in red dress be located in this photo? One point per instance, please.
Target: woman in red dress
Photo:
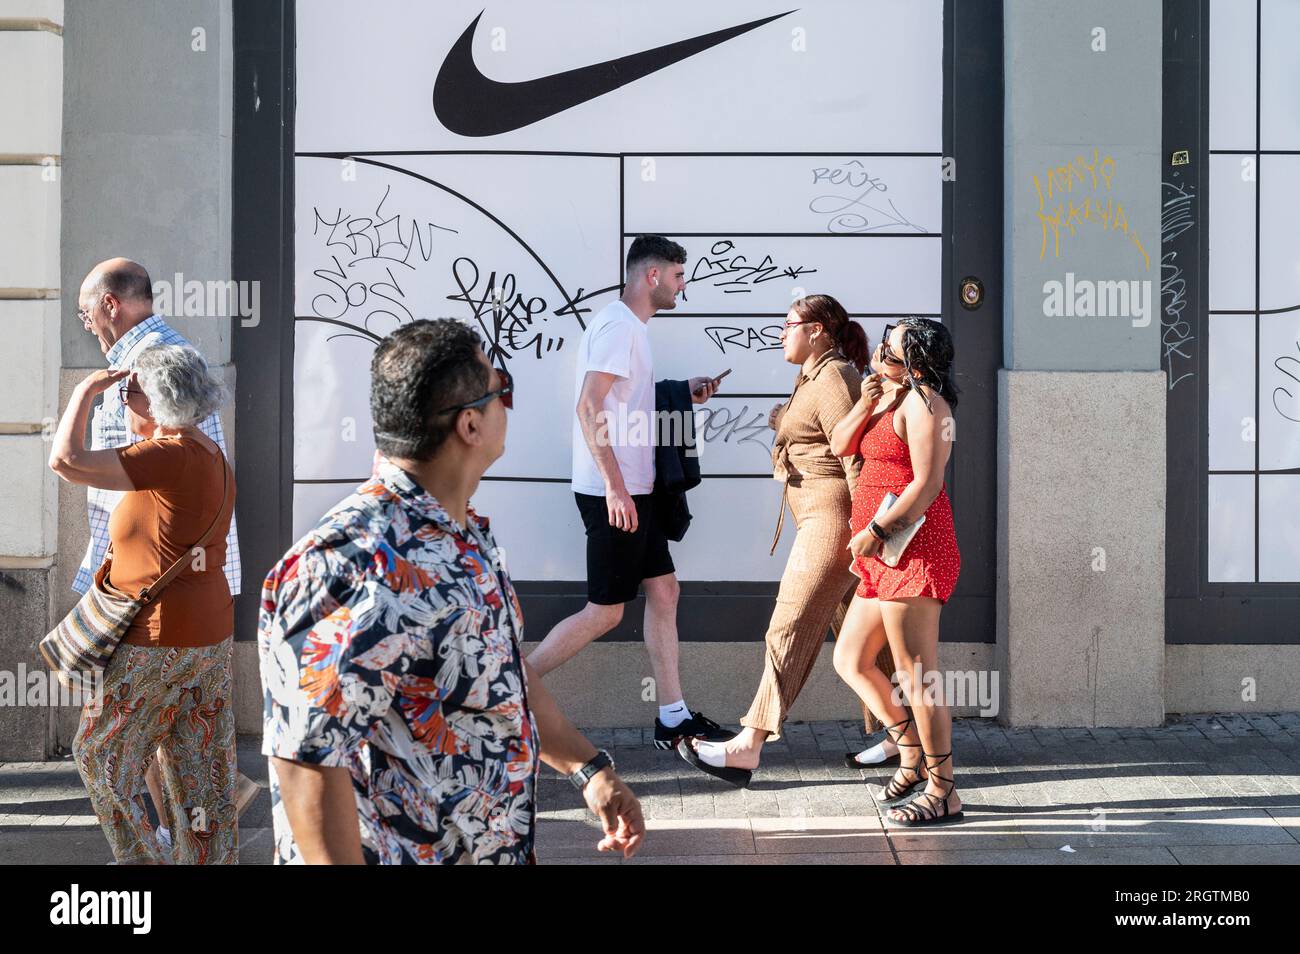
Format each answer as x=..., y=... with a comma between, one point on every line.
x=905, y=440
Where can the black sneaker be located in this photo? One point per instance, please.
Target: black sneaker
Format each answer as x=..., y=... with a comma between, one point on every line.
x=697, y=726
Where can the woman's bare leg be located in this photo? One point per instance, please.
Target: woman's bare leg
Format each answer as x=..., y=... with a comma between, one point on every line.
x=912, y=627
x=861, y=639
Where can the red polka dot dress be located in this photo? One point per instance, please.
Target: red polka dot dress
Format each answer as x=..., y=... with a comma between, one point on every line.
x=931, y=562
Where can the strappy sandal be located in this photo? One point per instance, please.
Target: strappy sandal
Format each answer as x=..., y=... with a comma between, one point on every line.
x=934, y=811
x=898, y=786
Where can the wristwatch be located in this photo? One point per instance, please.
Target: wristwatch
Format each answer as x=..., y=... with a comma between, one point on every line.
x=584, y=775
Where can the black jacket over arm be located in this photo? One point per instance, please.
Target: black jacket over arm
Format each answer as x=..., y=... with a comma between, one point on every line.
x=676, y=470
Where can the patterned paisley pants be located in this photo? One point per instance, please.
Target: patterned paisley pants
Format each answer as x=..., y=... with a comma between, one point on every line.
x=179, y=700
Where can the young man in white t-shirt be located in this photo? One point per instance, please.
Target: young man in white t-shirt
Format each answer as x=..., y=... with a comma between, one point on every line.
x=613, y=476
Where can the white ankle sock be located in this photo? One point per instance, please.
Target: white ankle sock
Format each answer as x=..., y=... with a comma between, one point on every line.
x=674, y=714
x=712, y=753
x=877, y=753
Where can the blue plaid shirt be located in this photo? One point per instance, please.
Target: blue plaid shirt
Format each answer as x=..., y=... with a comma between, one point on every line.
x=109, y=429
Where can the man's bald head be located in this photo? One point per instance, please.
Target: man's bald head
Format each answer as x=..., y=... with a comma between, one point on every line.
x=115, y=297
x=125, y=280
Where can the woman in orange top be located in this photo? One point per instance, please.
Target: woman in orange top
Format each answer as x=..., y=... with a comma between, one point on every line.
x=168, y=685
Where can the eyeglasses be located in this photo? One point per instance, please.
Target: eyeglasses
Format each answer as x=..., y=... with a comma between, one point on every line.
x=505, y=393
x=83, y=314
x=885, y=353
x=123, y=392
x=791, y=324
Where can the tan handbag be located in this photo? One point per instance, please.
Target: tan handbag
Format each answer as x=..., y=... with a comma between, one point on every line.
x=79, y=648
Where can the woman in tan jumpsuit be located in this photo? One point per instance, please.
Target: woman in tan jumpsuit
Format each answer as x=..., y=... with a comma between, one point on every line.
x=817, y=583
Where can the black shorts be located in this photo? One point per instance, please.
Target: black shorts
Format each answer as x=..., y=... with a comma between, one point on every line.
x=617, y=561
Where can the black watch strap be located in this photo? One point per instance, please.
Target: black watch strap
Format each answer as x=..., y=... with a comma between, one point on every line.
x=584, y=775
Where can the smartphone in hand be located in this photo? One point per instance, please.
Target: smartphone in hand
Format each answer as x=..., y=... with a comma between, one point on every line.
x=716, y=381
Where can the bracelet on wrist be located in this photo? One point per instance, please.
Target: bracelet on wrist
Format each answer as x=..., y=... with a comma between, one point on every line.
x=877, y=531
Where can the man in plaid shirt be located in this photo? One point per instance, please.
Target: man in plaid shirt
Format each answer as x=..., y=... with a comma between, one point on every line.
x=117, y=307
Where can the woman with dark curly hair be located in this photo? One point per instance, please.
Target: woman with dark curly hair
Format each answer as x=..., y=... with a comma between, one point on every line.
x=905, y=443
x=831, y=350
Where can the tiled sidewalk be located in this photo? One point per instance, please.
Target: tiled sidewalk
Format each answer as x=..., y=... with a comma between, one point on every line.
x=1200, y=790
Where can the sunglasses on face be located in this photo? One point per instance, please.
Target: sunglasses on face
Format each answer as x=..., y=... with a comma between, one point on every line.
x=506, y=393
x=885, y=353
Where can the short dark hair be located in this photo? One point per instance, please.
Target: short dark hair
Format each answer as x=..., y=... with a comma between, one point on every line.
x=419, y=369
x=654, y=248
x=126, y=282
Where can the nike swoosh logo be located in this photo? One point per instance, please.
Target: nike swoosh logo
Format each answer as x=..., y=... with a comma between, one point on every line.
x=470, y=104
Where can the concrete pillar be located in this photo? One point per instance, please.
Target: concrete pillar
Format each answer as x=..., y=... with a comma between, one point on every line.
x=31, y=69
x=1081, y=439
x=161, y=137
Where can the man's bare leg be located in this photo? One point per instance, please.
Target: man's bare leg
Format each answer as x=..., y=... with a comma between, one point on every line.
x=661, y=593
x=572, y=633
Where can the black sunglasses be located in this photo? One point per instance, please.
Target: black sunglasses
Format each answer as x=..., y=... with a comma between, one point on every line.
x=506, y=393
x=885, y=353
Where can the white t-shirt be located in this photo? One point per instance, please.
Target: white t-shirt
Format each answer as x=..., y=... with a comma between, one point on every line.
x=618, y=343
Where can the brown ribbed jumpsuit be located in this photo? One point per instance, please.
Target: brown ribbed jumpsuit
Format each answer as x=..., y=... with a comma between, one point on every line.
x=817, y=585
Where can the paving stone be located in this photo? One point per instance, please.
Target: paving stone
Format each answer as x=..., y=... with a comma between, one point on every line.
x=829, y=738
x=1288, y=818
x=974, y=830
x=1153, y=828
x=627, y=737
x=600, y=738
x=1237, y=725
x=818, y=834
x=1050, y=737
x=1039, y=856
x=256, y=845
x=812, y=770
x=1187, y=791
x=820, y=858
x=54, y=846
x=1184, y=730
x=1236, y=854
x=1265, y=725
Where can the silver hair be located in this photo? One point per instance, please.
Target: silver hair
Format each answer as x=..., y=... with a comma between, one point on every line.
x=180, y=388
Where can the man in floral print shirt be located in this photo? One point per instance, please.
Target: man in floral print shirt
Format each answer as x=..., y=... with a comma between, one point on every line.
x=399, y=718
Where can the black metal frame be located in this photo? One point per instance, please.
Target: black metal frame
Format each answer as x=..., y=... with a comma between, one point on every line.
x=262, y=222
x=262, y=250
x=1196, y=610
